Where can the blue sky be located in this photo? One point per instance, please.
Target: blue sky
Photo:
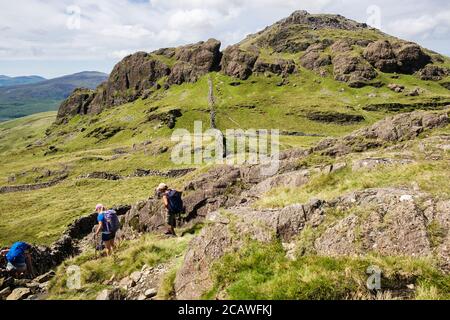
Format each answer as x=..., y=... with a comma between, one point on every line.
x=57, y=37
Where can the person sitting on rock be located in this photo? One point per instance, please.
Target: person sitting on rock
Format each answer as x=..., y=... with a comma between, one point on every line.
x=173, y=203
x=18, y=259
x=108, y=224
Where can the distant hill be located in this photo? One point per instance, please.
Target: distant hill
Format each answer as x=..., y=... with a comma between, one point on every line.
x=25, y=99
x=6, y=81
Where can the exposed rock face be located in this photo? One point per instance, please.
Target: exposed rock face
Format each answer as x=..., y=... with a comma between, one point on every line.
x=411, y=58
x=381, y=55
x=238, y=63
x=195, y=61
x=130, y=77
x=403, y=57
x=393, y=129
x=352, y=69
x=77, y=103
x=322, y=21
x=434, y=73
x=280, y=67
x=388, y=221
x=315, y=60
x=136, y=74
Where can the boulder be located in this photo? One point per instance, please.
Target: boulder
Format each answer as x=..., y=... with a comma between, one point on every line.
x=45, y=277
x=380, y=54
x=237, y=62
x=352, y=69
x=396, y=87
x=315, y=60
x=150, y=293
x=77, y=103
x=411, y=58
x=195, y=60
x=19, y=294
x=279, y=67
x=4, y=293
x=434, y=73
x=110, y=294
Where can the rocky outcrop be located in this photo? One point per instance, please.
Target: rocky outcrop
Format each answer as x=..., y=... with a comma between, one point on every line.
x=315, y=60
x=353, y=70
x=279, y=67
x=138, y=73
x=168, y=118
x=433, y=73
x=393, y=129
x=399, y=57
x=411, y=58
x=381, y=55
x=391, y=222
x=130, y=77
x=237, y=62
x=77, y=103
x=321, y=21
x=194, y=61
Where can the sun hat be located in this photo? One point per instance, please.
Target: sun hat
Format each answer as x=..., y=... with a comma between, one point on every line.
x=162, y=186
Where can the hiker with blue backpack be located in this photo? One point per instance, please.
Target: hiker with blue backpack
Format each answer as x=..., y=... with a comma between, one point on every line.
x=173, y=203
x=18, y=259
x=108, y=224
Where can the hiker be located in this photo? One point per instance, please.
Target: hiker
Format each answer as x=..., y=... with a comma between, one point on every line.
x=19, y=259
x=173, y=204
x=108, y=224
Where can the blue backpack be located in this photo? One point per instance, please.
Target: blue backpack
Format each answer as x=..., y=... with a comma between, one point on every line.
x=16, y=253
x=175, y=202
x=112, y=221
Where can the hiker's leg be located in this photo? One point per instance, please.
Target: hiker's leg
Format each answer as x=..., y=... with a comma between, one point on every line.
x=108, y=247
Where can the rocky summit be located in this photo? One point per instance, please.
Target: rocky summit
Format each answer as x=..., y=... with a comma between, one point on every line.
x=351, y=52
x=360, y=189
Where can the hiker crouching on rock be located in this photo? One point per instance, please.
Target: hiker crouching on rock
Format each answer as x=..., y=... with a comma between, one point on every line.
x=173, y=204
x=19, y=259
x=108, y=224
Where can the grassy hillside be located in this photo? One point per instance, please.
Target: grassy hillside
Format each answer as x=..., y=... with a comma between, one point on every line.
x=31, y=147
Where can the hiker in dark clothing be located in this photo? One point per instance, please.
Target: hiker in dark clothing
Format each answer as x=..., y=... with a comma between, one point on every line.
x=173, y=204
x=19, y=259
x=108, y=224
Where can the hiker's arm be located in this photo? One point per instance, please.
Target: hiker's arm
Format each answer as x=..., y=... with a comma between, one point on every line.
x=100, y=225
x=4, y=252
x=165, y=201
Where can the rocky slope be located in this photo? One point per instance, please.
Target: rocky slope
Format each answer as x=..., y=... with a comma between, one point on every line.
x=350, y=52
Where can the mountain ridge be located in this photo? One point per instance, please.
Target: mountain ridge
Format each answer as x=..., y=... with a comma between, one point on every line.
x=329, y=45
x=24, y=99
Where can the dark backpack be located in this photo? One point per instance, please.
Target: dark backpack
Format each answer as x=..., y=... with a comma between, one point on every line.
x=112, y=221
x=175, y=202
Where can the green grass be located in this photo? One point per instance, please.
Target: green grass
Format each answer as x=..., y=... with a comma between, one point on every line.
x=24, y=143
x=131, y=256
x=430, y=176
x=262, y=272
